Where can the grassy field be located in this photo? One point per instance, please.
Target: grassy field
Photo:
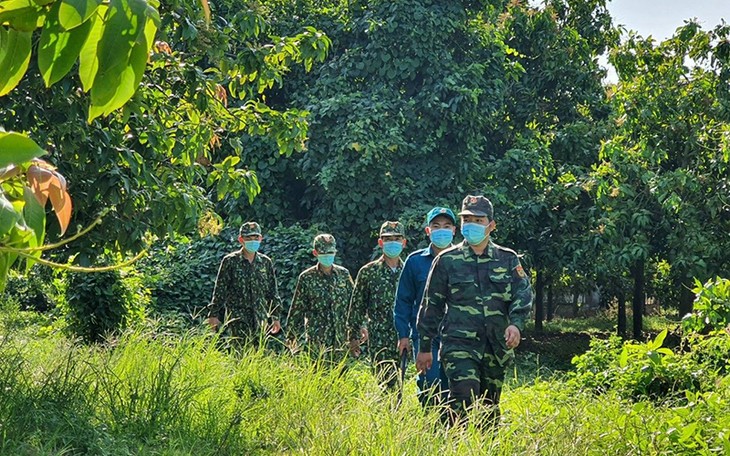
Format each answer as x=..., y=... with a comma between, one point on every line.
x=157, y=393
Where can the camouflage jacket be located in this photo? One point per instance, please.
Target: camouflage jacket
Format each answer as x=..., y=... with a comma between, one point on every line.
x=318, y=311
x=477, y=297
x=372, y=307
x=245, y=293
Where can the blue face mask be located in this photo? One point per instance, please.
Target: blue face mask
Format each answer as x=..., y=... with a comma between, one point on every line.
x=442, y=237
x=474, y=233
x=252, y=246
x=326, y=259
x=392, y=248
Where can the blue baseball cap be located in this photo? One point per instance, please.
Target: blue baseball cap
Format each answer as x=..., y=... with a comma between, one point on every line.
x=436, y=211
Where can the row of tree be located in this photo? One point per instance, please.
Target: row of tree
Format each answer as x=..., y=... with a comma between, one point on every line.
x=418, y=102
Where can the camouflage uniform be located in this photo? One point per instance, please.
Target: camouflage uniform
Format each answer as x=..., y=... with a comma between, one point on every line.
x=318, y=313
x=372, y=302
x=475, y=298
x=245, y=293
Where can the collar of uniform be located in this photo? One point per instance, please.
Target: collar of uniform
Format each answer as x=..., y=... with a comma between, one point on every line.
x=469, y=252
x=255, y=256
x=428, y=251
x=381, y=260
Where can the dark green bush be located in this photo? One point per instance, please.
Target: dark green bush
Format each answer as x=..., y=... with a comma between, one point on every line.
x=101, y=303
x=31, y=291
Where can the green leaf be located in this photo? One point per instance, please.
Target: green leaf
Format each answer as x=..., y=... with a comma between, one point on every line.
x=659, y=341
x=89, y=55
x=4, y=266
x=132, y=74
x=22, y=15
x=123, y=25
x=16, y=148
x=73, y=13
x=35, y=219
x=8, y=216
x=14, y=57
x=58, y=49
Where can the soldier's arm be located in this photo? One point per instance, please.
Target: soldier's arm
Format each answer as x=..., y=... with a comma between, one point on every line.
x=295, y=319
x=521, y=303
x=358, y=303
x=405, y=297
x=275, y=306
x=433, y=305
x=221, y=289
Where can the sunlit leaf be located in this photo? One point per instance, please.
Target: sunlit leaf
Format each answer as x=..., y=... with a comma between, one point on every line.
x=89, y=56
x=73, y=13
x=16, y=148
x=14, y=57
x=58, y=49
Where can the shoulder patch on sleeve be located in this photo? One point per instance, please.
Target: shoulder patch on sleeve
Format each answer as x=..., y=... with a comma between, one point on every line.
x=520, y=271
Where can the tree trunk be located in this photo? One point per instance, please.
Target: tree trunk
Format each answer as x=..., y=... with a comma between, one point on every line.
x=576, y=295
x=686, y=297
x=539, y=292
x=637, y=303
x=621, y=299
x=550, y=303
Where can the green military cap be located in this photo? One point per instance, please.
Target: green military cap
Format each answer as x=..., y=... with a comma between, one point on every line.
x=477, y=205
x=392, y=229
x=250, y=229
x=325, y=243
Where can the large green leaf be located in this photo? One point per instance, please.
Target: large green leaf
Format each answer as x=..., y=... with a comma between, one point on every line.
x=89, y=55
x=58, y=48
x=4, y=266
x=35, y=219
x=8, y=216
x=73, y=13
x=124, y=23
x=14, y=57
x=16, y=148
x=109, y=93
x=23, y=15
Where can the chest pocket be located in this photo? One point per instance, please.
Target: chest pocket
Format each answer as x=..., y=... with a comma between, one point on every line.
x=463, y=287
x=500, y=279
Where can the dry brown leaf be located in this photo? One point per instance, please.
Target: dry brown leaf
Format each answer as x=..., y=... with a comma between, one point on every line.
x=61, y=201
x=40, y=180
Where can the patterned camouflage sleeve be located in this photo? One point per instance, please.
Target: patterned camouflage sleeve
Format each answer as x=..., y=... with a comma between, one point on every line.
x=358, y=304
x=295, y=319
x=220, y=289
x=433, y=305
x=521, y=305
x=274, y=299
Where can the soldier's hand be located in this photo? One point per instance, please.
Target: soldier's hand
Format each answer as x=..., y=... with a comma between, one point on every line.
x=275, y=327
x=214, y=322
x=364, y=335
x=355, y=348
x=424, y=361
x=512, y=336
x=403, y=345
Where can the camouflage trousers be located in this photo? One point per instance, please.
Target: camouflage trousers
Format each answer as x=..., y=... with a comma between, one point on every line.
x=475, y=375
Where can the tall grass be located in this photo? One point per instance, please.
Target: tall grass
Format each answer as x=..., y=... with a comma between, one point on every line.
x=158, y=393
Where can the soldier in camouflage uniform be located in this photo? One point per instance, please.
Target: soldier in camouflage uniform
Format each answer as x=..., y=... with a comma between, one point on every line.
x=372, y=301
x=482, y=296
x=245, y=296
x=318, y=312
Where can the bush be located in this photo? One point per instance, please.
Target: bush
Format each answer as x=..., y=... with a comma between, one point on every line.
x=640, y=371
x=32, y=291
x=101, y=303
x=711, y=307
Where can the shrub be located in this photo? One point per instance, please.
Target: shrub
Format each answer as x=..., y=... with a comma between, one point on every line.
x=711, y=307
x=31, y=291
x=100, y=303
x=639, y=371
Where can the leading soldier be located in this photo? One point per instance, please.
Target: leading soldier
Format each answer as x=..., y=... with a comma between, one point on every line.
x=480, y=296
